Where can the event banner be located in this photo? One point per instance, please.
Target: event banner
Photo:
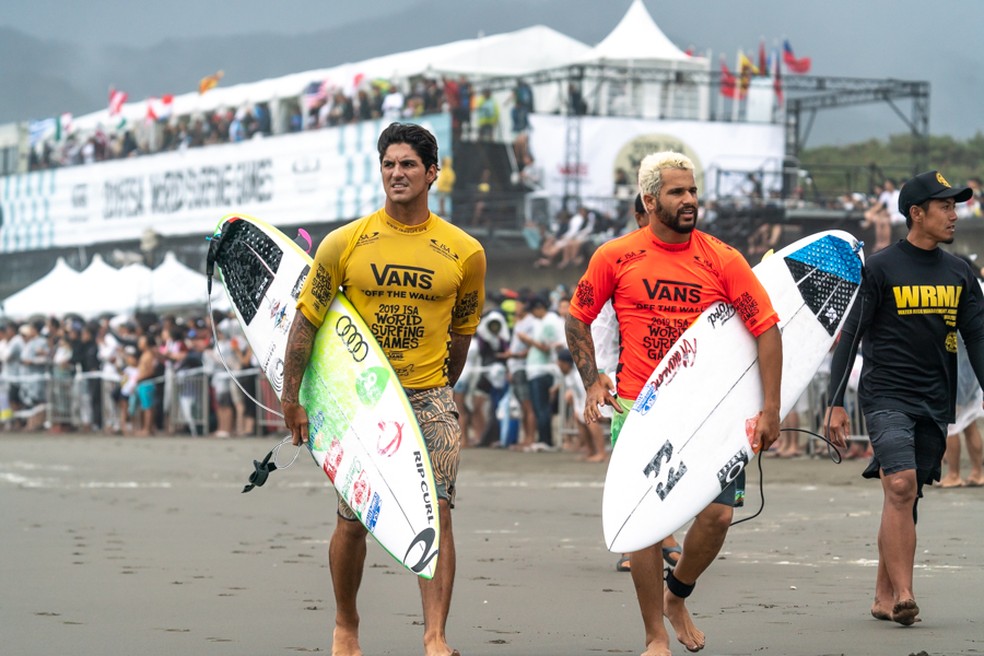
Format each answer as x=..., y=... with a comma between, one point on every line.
x=316, y=176
x=724, y=153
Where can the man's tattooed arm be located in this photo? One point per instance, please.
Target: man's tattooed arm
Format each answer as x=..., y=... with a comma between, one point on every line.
x=581, y=346
x=300, y=342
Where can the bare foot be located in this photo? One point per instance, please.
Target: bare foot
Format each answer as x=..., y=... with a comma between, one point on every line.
x=675, y=610
x=905, y=612
x=658, y=647
x=598, y=457
x=345, y=642
x=951, y=480
x=879, y=612
x=442, y=650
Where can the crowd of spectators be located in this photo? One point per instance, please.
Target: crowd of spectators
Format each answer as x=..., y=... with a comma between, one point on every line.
x=118, y=375
x=475, y=114
x=519, y=388
x=127, y=375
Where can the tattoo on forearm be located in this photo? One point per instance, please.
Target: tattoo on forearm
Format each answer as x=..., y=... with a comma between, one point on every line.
x=581, y=346
x=300, y=342
x=457, y=354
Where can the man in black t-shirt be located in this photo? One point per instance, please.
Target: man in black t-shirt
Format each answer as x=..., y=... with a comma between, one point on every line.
x=913, y=299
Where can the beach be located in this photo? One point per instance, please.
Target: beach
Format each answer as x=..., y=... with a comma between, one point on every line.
x=116, y=545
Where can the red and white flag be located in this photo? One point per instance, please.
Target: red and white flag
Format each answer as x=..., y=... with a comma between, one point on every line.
x=116, y=100
x=160, y=108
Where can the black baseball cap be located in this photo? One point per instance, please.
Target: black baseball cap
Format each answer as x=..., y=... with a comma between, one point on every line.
x=925, y=186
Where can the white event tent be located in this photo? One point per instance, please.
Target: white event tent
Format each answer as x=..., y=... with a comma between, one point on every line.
x=102, y=289
x=637, y=41
x=38, y=297
x=173, y=284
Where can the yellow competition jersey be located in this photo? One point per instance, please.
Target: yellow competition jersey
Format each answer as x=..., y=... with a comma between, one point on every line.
x=413, y=285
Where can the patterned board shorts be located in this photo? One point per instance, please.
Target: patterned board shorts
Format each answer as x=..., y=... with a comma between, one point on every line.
x=437, y=415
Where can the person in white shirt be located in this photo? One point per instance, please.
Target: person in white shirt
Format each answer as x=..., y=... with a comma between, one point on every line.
x=519, y=383
x=546, y=336
x=393, y=105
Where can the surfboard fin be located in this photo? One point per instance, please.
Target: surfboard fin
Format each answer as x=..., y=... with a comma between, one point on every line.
x=260, y=473
x=213, y=249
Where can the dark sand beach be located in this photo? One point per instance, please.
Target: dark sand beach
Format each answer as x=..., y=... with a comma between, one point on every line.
x=146, y=546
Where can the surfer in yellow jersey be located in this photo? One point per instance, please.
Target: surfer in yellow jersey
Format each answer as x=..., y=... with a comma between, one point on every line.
x=659, y=281
x=419, y=283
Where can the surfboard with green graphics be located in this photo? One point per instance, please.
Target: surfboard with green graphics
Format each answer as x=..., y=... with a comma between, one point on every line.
x=362, y=430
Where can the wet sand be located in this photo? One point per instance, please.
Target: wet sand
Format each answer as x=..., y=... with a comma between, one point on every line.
x=146, y=546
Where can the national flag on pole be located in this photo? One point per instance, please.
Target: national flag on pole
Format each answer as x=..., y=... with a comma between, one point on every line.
x=745, y=65
x=209, y=82
x=116, y=100
x=729, y=85
x=777, y=78
x=763, y=65
x=746, y=69
x=160, y=108
x=314, y=93
x=64, y=126
x=40, y=130
x=795, y=64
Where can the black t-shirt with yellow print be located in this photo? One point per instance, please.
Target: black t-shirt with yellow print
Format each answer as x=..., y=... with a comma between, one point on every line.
x=911, y=304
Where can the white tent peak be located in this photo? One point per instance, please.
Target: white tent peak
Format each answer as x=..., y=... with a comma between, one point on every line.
x=638, y=38
x=98, y=264
x=37, y=297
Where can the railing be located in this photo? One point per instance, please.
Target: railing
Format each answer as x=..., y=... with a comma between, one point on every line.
x=184, y=403
x=187, y=405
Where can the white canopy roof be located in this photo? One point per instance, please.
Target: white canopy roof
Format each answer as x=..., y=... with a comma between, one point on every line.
x=103, y=289
x=40, y=297
x=173, y=284
x=637, y=38
x=513, y=53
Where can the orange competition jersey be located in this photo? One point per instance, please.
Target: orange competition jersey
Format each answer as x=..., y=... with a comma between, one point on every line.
x=659, y=289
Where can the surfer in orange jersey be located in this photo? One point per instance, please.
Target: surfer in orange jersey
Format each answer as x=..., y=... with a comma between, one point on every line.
x=604, y=333
x=659, y=281
x=914, y=297
x=420, y=284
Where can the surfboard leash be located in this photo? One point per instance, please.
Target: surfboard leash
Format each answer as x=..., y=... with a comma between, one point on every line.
x=261, y=470
x=833, y=451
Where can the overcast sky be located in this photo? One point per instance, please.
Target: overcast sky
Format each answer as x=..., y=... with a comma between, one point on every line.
x=940, y=41
x=146, y=22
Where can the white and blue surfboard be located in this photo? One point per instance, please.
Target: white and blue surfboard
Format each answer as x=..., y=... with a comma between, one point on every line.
x=687, y=436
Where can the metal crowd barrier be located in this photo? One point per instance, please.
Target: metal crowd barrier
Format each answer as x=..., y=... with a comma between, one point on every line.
x=79, y=400
x=816, y=395
x=187, y=401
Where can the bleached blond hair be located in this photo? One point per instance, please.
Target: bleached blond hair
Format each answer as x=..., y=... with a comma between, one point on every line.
x=651, y=169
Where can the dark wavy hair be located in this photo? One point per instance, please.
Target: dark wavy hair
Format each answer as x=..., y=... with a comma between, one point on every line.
x=415, y=136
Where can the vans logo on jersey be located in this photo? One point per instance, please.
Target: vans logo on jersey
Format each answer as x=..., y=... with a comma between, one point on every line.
x=401, y=275
x=671, y=290
x=444, y=250
x=631, y=255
